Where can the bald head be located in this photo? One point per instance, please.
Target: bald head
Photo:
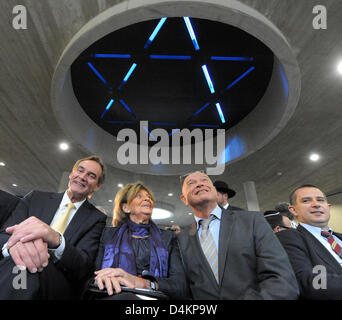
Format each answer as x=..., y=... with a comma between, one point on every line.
x=198, y=191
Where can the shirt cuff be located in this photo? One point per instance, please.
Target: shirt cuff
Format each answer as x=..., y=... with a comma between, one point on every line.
x=58, y=252
x=5, y=252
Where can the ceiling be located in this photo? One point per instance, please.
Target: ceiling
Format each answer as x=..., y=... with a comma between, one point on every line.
x=30, y=133
x=176, y=83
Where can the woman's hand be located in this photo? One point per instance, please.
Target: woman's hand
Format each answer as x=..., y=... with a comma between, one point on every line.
x=113, y=278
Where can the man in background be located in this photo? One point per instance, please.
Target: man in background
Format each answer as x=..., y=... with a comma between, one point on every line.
x=277, y=221
x=283, y=209
x=224, y=193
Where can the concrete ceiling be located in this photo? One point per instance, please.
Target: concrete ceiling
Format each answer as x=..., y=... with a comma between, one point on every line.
x=30, y=133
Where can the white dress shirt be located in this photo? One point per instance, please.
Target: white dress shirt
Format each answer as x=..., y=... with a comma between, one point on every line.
x=62, y=207
x=226, y=206
x=316, y=232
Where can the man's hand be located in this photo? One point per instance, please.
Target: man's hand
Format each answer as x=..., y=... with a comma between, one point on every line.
x=32, y=255
x=113, y=278
x=33, y=229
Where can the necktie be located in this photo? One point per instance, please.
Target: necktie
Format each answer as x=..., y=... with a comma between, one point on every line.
x=209, y=246
x=61, y=223
x=333, y=243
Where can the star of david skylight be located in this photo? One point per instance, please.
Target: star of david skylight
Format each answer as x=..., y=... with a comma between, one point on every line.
x=173, y=72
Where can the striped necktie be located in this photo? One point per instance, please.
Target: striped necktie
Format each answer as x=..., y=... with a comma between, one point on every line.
x=61, y=223
x=209, y=246
x=333, y=243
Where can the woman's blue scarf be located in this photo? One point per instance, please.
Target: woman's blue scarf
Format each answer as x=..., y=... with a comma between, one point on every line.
x=119, y=252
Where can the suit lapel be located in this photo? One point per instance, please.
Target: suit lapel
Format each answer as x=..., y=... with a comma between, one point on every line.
x=226, y=227
x=78, y=221
x=338, y=235
x=320, y=250
x=46, y=210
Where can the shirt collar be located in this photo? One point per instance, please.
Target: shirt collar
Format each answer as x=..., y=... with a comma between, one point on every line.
x=216, y=212
x=66, y=200
x=314, y=230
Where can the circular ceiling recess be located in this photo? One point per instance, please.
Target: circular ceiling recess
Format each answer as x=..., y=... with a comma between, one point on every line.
x=216, y=70
x=175, y=73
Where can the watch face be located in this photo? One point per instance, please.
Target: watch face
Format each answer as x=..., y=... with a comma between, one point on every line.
x=152, y=285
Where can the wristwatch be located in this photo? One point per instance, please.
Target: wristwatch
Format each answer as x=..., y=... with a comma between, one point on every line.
x=152, y=280
x=153, y=285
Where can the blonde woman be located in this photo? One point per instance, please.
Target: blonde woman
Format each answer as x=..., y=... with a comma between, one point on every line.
x=135, y=253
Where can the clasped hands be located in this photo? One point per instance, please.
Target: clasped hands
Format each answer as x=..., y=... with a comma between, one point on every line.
x=113, y=278
x=29, y=243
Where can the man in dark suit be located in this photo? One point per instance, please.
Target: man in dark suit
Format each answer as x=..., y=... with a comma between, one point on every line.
x=56, y=246
x=223, y=194
x=8, y=202
x=250, y=263
x=317, y=266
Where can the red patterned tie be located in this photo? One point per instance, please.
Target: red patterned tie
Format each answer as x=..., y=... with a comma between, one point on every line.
x=334, y=245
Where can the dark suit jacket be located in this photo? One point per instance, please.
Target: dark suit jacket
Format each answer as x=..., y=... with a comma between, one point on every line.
x=8, y=202
x=252, y=263
x=82, y=235
x=234, y=208
x=175, y=284
x=306, y=252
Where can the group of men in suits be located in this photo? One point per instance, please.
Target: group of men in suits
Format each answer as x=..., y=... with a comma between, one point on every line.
x=228, y=253
x=252, y=263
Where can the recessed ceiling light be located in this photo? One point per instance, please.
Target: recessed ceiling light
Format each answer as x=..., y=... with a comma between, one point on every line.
x=14, y=185
x=2, y=164
x=120, y=185
x=170, y=194
x=172, y=221
x=110, y=200
x=160, y=214
x=314, y=157
x=190, y=213
x=339, y=67
x=63, y=146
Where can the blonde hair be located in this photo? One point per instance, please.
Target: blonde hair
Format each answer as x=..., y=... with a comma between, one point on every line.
x=126, y=195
